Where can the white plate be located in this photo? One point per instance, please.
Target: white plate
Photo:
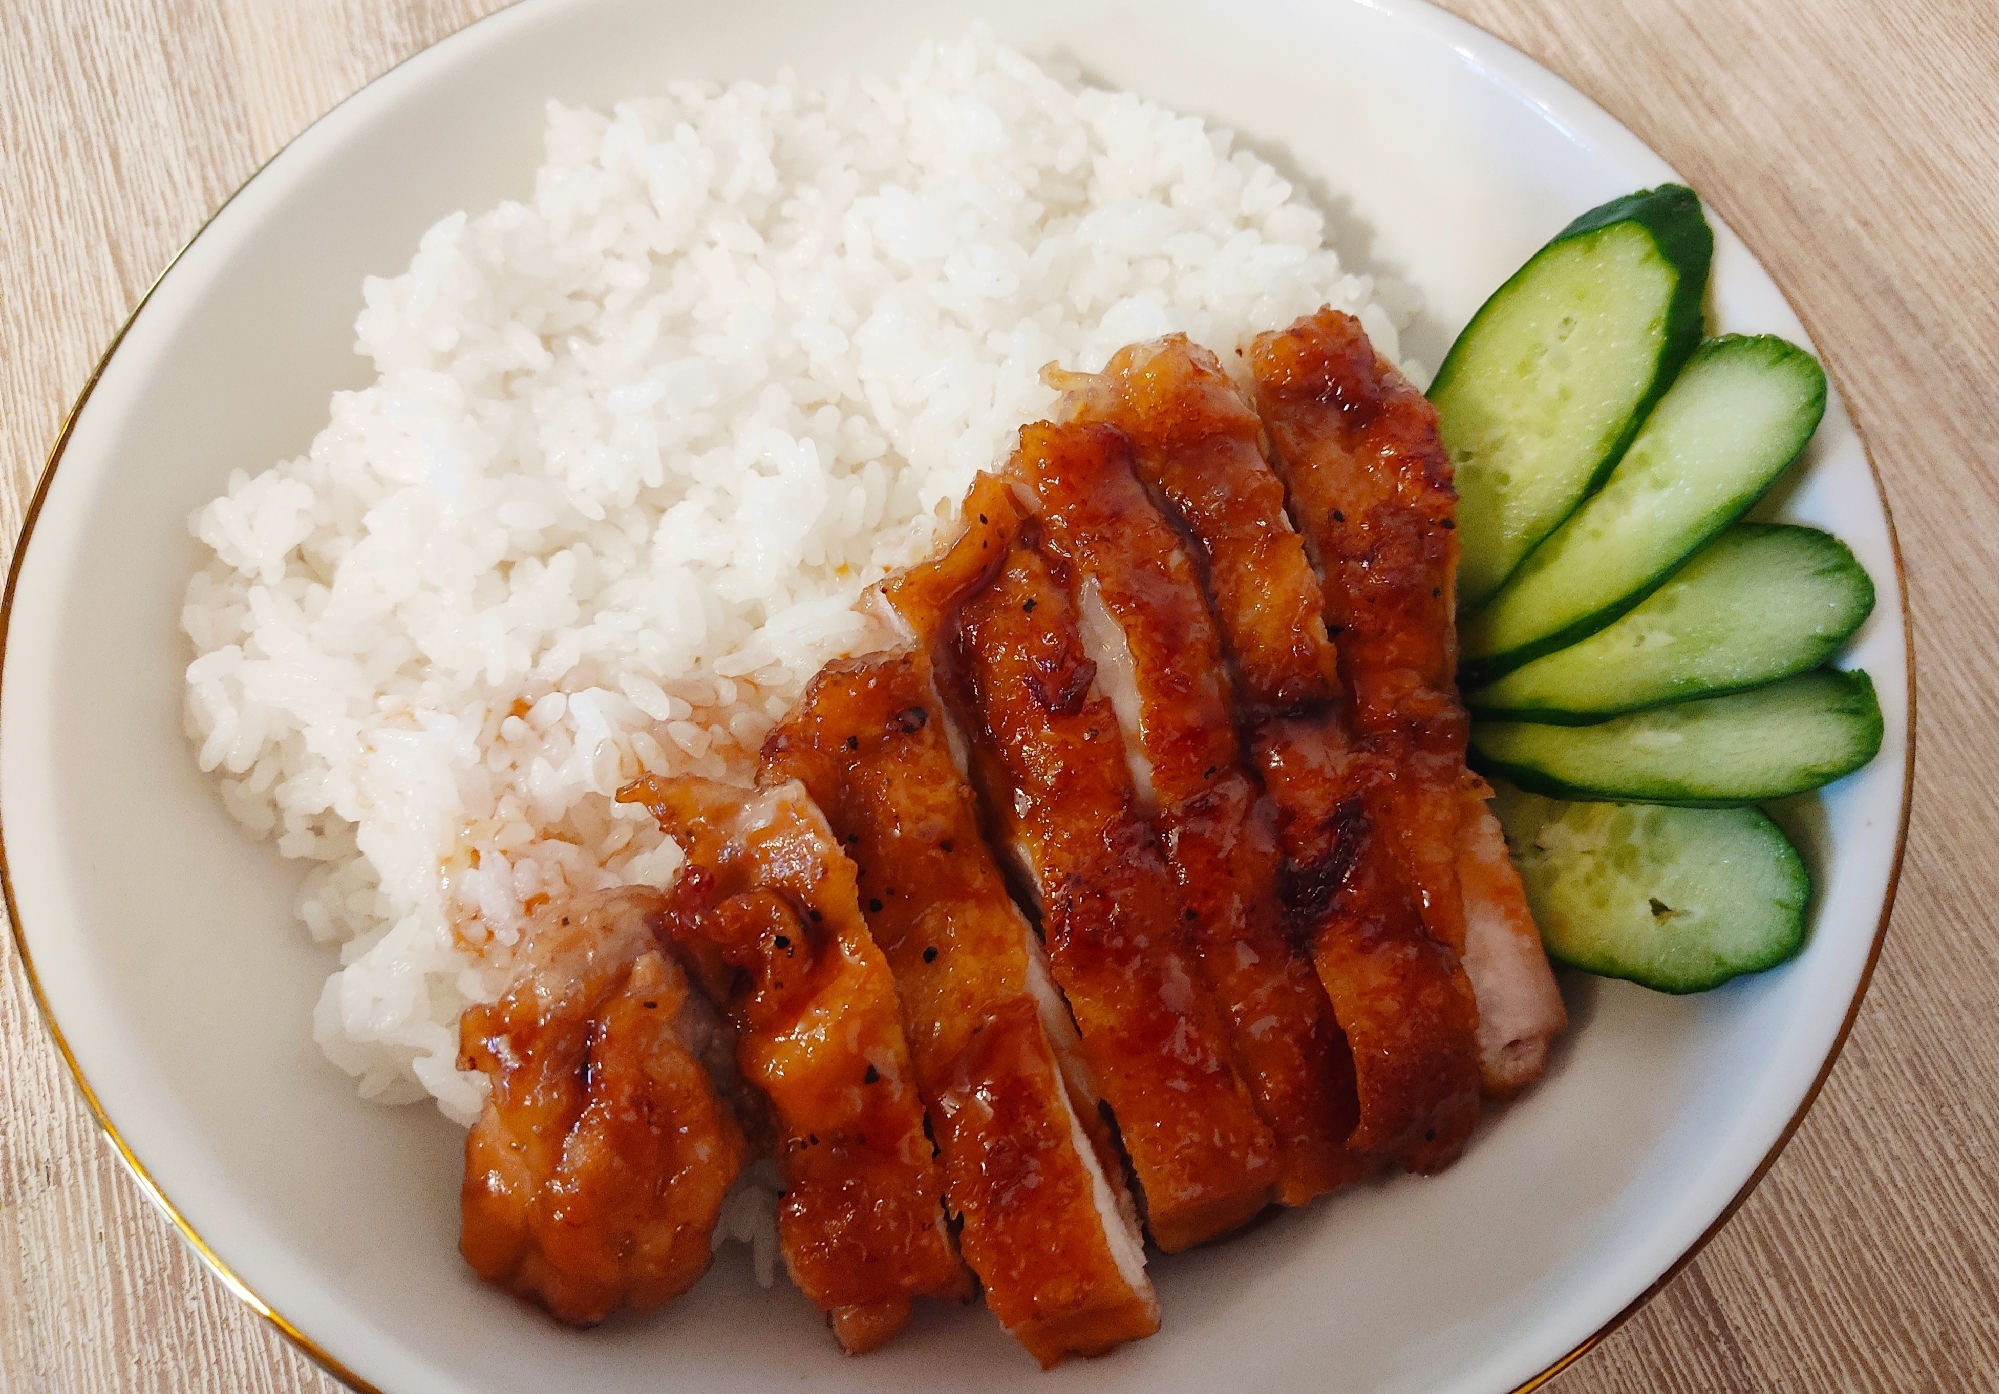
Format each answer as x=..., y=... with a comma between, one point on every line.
x=162, y=939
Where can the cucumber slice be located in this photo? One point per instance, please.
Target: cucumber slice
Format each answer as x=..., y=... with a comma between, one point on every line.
x=1738, y=414
x=1550, y=380
x=1760, y=602
x=1771, y=741
x=1677, y=899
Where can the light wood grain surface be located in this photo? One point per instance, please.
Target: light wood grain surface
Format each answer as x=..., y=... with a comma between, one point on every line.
x=1853, y=143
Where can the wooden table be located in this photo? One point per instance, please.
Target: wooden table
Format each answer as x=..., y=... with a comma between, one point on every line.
x=1853, y=143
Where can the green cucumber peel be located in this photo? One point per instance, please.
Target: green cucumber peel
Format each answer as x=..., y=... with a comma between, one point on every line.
x=1762, y=602
x=1770, y=742
x=1552, y=378
x=1739, y=414
x=1678, y=900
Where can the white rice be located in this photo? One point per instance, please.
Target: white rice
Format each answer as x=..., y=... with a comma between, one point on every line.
x=634, y=448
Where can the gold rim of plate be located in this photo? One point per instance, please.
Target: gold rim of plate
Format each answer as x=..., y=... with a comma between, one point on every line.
x=333, y=1366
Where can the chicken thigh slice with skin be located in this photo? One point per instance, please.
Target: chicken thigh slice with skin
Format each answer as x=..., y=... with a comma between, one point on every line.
x=1159, y=649
x=1369, y=485
x=596, y=1171
x=1052, y=1235
x=1399, y=995
x=1050, y=762
x=766, y=908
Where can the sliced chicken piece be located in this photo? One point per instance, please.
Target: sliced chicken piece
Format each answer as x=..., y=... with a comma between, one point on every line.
x=1369, y=485
x=1158, y=655
x=1350, y=436
x=1051, y=764
x=1400, y=995
x=1402, y=998
x=1520, y=1007
x=767, y=907
x=596, y=1171
x=1196, y=443
x=1052, y=1235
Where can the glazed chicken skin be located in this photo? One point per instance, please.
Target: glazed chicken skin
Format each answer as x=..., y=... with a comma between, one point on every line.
x=595, y=1173
x=766, y=909
x=1196, y=445
x=1162, y=656
x=1048, y=1227
x=1052, y=766
x=1369, y=485
x=1399, y=995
